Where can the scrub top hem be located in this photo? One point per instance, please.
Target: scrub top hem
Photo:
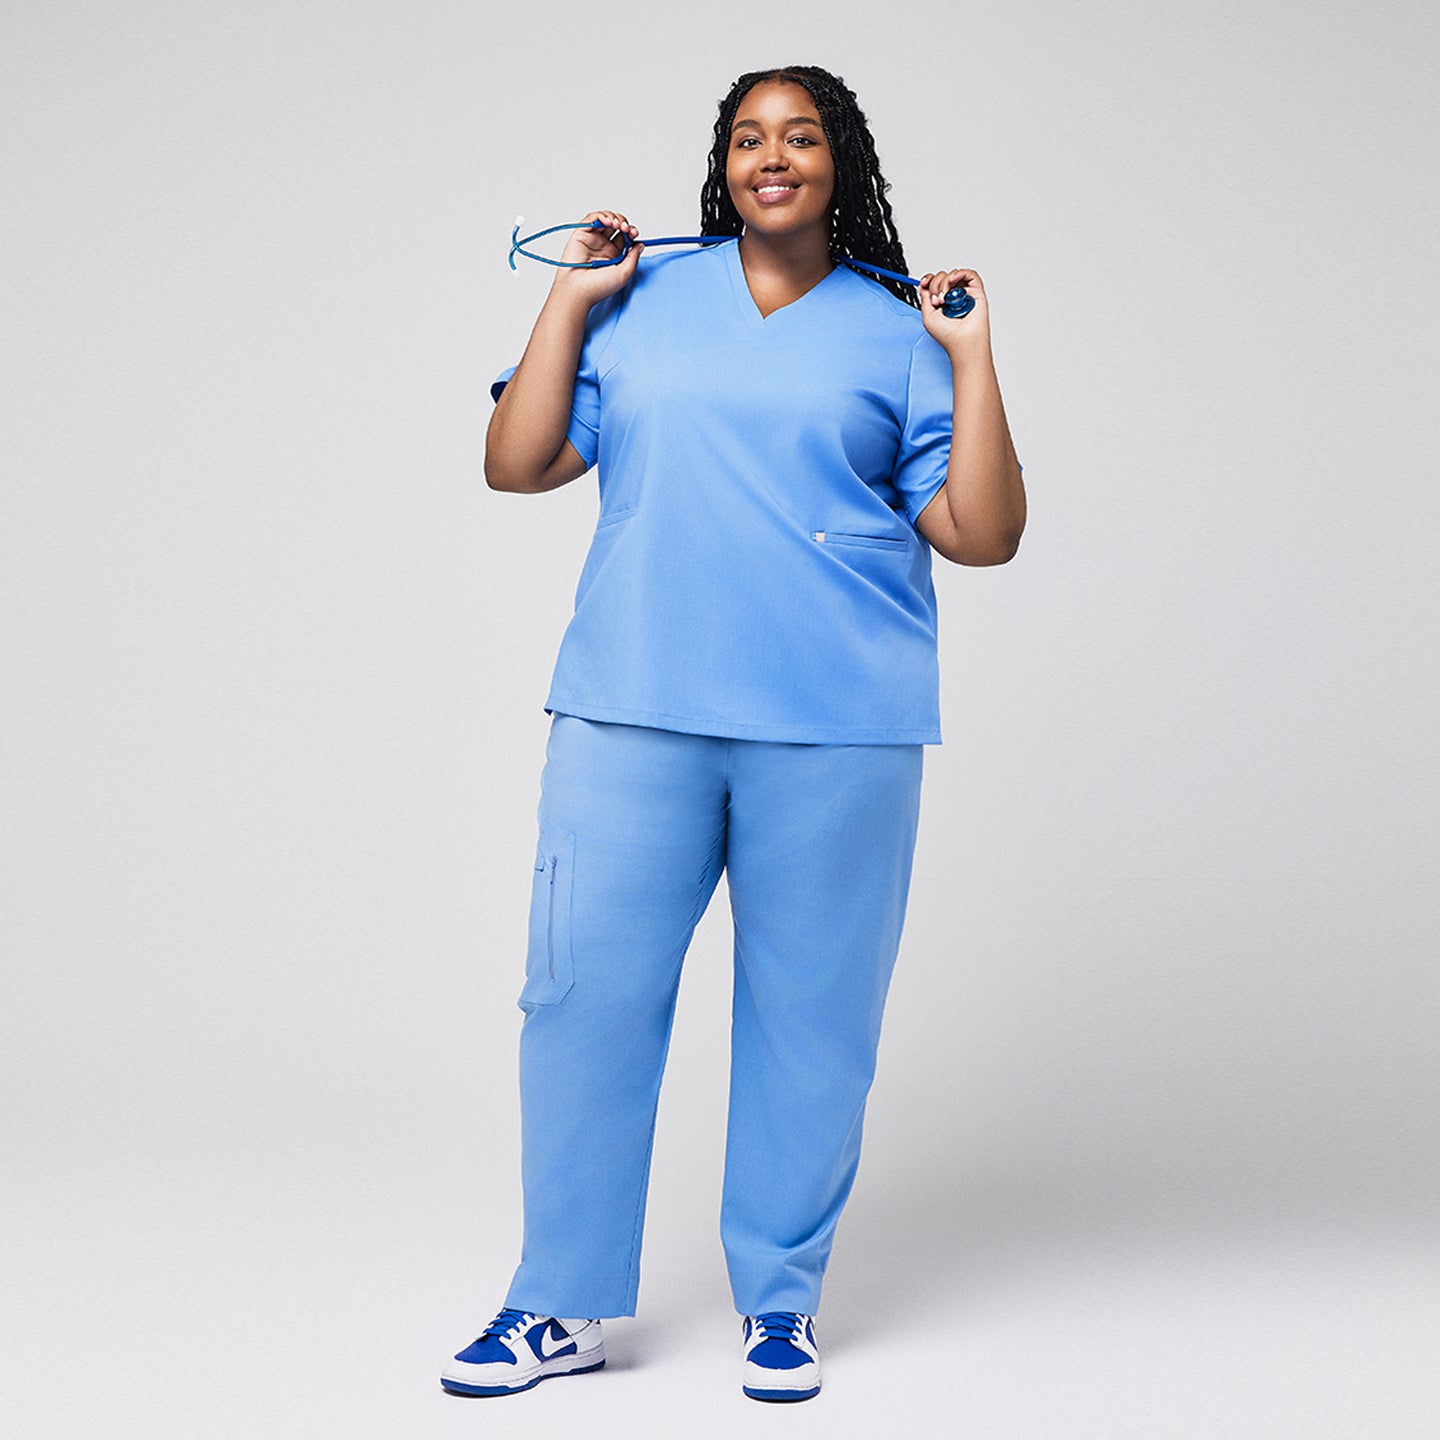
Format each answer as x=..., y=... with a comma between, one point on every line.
x=739, y=730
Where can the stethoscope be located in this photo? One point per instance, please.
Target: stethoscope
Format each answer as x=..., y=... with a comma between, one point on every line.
x=957, y=302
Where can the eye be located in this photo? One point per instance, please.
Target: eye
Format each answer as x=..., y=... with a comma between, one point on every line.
x=806, y=140
x=746, y=142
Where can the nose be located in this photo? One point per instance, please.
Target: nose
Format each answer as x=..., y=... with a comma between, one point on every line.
x=775, y=157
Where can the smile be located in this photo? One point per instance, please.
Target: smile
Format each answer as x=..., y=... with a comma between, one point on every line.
x=776, y=192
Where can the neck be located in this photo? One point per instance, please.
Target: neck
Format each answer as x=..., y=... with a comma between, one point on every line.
x=795, y=261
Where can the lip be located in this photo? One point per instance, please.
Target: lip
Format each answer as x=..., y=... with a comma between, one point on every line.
x=778, y=196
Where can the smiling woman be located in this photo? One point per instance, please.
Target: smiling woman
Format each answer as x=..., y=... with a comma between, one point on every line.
x=860, y=219
x=746, y=686
x=779, y=169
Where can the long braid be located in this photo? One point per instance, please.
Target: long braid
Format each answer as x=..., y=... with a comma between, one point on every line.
x=862, y=225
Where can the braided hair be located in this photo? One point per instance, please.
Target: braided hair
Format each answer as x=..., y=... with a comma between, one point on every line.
x=861, y=224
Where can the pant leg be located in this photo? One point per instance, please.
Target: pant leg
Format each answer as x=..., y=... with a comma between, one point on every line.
x=819, y=857
x=632, y=841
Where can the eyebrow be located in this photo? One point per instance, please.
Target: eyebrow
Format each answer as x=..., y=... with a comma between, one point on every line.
x=793, y=120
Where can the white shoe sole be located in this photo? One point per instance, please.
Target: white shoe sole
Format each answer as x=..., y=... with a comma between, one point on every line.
x=802, y=1383
x=462, y=1379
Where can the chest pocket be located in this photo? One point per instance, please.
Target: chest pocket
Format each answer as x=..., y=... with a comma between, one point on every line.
x=549, y=958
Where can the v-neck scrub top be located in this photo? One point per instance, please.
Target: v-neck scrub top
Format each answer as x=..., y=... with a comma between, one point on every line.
x=755, y=570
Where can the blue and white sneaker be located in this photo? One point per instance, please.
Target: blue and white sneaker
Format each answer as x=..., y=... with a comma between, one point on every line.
x=782, y=1361
x=517, y=1350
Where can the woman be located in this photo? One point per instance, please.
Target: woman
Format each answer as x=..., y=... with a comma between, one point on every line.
x=747, y=684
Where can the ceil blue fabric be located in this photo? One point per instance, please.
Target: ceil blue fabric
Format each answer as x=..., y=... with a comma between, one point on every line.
x=755, y=570
x=636, y=826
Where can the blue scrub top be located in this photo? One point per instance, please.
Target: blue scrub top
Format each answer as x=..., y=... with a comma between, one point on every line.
x=755, y=570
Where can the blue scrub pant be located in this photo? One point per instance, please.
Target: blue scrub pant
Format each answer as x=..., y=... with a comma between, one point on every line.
x=636, y=825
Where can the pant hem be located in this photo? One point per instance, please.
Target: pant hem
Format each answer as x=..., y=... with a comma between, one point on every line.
x=591, y=1297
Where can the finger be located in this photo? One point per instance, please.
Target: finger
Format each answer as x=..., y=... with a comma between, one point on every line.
x=959, y=275
x=617, y=222
x=592, y=229
x=613, y=236
x=611, y=222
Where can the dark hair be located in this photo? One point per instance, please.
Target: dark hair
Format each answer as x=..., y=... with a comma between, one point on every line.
x=861, y=225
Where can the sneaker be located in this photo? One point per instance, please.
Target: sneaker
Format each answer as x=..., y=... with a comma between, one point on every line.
x=517, y=1350
x=782, y=1361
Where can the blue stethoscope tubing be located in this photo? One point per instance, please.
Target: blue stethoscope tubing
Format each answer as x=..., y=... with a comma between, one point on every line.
x=956, y=304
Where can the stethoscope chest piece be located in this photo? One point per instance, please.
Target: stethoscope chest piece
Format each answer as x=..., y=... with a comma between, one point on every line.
x=957, y=303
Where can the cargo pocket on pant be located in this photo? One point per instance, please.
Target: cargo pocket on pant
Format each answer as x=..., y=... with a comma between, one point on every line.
x=549, y=961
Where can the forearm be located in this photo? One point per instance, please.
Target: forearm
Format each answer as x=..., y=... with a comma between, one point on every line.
x=983, y=485
x=527, y=430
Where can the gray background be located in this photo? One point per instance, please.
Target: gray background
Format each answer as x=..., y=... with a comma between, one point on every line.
x=1150, y=1151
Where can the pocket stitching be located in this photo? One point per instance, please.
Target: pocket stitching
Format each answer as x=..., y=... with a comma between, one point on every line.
x=549, y=979
x=863, y=542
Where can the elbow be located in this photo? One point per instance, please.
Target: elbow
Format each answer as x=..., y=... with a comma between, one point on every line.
x=508, y=479
x=983, y=550
x=496, y=477
x=501, y=470
x=523, y=474
x=1002, y=551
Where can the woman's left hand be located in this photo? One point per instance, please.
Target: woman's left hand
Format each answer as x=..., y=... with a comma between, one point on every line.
x=970, y=333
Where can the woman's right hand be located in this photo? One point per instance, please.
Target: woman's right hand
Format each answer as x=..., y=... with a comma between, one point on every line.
x=527, y=449
x=584, y=244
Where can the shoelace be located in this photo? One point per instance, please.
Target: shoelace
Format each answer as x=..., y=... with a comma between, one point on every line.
x=506, y=1323
x=779, y=1325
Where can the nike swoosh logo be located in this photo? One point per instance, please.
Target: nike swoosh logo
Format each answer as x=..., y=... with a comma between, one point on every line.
x=548, y=1349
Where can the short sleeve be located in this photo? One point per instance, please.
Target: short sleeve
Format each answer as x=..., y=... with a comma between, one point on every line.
x=584, y=429
x=497, y=386
x=925, y=438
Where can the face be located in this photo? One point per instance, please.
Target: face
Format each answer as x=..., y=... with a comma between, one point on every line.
x=779, y=167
